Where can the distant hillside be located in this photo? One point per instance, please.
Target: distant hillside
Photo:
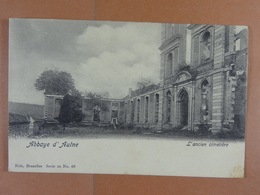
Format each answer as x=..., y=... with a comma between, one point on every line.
x=17, y=118
x=33, y=110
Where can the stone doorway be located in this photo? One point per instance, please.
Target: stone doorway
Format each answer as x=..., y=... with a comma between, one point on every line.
x=96, y=117
x=183, y=102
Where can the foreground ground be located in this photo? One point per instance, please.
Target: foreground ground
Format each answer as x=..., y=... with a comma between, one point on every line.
x=110, y=132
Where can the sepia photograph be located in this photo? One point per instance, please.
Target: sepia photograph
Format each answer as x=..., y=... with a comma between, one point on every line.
x=127, y=97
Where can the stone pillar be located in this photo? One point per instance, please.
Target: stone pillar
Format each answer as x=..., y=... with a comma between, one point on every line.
x=49, y=107
x=163, y=35
x=230, y=100
x=160, y=113
x=229, y=39
x=161, y=93
x=218, y=102
x=190, y=105
x=175, y=106
x=154, y=105
x=162, y=70
x=151, y=109
x=218, y=80
x=182, y=50
x=193, y=85
x=45, y=110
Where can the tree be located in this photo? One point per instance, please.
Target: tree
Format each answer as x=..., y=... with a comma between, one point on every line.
x=96, y=99
x=70, y=110
x=143, y=83
x=55, y=82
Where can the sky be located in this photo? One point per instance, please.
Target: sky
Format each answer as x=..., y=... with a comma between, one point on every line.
x=101, y=56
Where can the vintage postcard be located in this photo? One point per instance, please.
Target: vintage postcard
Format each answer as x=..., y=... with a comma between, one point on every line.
x=127, y=98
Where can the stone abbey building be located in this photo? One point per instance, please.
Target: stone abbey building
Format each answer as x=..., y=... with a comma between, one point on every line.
x=208, y=90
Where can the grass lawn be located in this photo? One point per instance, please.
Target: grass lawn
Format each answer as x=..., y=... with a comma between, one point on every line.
x=110, y=132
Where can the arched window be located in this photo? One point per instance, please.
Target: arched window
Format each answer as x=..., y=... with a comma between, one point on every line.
x=115, y=110
x=138, y=110
x=205, y=46
x=168, y=106
x=96, y=111
x=146, y=108
x=204, y=85
x=169, y=63
x=126, y=106
x=204, y=101
x=183, y=107
x=132, y=112
x=156, y=108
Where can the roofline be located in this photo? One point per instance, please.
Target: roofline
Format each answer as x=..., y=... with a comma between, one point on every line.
x=113, y=99
x=59, y=96
x=144, y=94
x=108, y=99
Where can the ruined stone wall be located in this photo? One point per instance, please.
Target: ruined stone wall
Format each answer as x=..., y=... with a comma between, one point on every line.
x=52, y=105
x=87, y=109
x=105, y=112
x=240, y=99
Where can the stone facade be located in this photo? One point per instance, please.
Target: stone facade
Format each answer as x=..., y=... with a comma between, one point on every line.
x=105, y=113
x=102, y=113
x=201, y=92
